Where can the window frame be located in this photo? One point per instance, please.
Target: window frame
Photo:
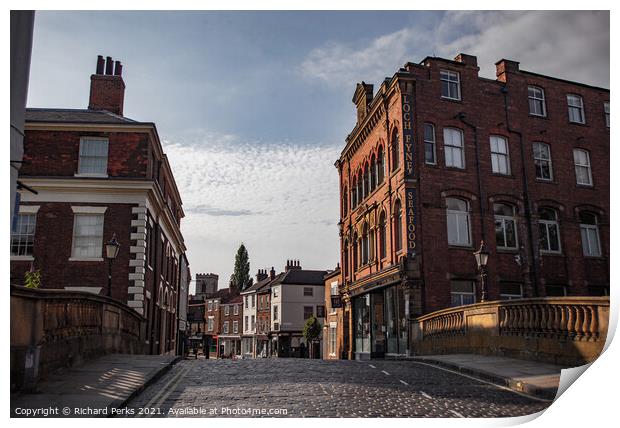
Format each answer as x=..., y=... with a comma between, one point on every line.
x=504, y=218
x=500, y=155
x=79, y=172
x=587, y=167
x=461, y=294
x=311, y=289
x=82, y=214
x=458, y=214
x=457, y=83
x=235, y=327
x=588, y=227
x=606, y=113
x=460, y=148
x=534, y=98
x=305, y=312
x=29, y=237
x=547, y=224
x=572, y=107
x=432, y=143
x=540, y=159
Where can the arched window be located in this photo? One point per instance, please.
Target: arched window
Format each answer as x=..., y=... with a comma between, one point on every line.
x=505, y=226
x=355, y=260
x=457, y=212
x=366, y=180
x=394, y=145
x=549, y=231
x=382, y=236
x=398, y=221
x=360, y=188
x=380, y=166
x=345, y=259
x=372, y=245
x=354, y=193
x=373, y=173
x=345, y=197
x=365, y=244
x=588, y=224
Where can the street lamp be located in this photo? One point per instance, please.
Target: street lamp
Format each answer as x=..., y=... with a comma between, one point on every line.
x=482, y=257
x=111, y=251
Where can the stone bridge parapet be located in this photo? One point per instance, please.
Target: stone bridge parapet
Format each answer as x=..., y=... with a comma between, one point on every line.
x=569, y=331
x=51, y=329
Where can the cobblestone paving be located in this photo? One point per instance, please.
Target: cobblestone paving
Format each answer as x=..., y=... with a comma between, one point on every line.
x=316, y=388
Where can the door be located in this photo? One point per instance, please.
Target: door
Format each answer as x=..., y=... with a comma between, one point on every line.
x=378, y=328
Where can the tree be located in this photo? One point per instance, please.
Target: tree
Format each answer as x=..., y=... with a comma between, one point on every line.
x=312, y=331
x=241, y=274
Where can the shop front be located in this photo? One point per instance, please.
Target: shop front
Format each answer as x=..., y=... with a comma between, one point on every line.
x=380, y=323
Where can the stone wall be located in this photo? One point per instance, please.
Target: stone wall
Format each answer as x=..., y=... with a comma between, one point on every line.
x=51, y=329
x=568, y=331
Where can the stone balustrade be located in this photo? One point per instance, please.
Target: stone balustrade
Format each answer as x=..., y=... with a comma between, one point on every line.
x=562, y=330
x=59, y=328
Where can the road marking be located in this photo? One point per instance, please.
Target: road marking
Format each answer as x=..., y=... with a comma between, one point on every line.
x=170, y=391
x=484, y=381
x=163, y=390
x=456, y=413
x=372, y=366
x=403, y=382
x=426, y=395
x=384, y=372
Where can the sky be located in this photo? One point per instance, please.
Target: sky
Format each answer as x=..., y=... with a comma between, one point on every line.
x=253, y=108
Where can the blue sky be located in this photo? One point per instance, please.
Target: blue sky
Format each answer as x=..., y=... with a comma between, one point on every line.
x=254, y=107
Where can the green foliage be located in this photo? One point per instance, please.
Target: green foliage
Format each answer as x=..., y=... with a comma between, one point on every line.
x=241, y=274
x=312, y=329
x=32, y=279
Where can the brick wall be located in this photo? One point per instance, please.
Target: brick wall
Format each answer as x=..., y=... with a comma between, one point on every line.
x=53, y=242
x=56, y=153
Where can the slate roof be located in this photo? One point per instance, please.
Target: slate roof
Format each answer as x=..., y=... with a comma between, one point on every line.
x=256, y=286
x=61, y=115
x=301, y=276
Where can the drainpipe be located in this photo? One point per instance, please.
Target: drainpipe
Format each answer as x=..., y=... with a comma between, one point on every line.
x=482, y=200
x=388, y=157
x=526, y=198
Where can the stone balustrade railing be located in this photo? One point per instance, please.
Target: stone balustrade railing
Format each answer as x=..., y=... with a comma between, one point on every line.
x=58, y=328
x=563, y=330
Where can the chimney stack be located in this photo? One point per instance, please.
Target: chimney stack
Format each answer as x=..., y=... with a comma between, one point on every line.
x=262, y=274
x=272, y=273
x=292, y=265
x=107, y=91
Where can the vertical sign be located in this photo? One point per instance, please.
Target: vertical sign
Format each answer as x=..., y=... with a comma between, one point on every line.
x=408, y=148
x=410, y=193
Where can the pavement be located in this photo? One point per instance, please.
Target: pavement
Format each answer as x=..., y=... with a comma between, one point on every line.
x=530, y=377
x=289, y=387
x=97, y=388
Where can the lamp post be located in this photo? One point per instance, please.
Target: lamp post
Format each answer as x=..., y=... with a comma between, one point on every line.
x=482, y=257
x=111, y=251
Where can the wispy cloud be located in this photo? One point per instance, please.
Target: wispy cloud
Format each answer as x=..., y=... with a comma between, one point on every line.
x=280, y=199
x=570, y=44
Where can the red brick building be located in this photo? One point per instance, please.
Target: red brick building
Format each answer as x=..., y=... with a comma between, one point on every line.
x=231, y=323
x=98, y=174
x=441, y=159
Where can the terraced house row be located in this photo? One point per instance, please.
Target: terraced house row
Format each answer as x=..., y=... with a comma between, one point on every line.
x=264, y=320
x=441, y=159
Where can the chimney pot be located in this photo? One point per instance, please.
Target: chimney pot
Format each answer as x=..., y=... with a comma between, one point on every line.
x=100, y=64
x=108, y=65
x=118, y=68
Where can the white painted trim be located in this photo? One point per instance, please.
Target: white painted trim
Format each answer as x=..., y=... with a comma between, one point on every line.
x=85, y=259
x=88, y=210
x=333, y=324
x=29, y=209
x=22, y=258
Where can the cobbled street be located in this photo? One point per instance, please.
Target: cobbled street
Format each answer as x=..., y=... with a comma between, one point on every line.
x=316, y=388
